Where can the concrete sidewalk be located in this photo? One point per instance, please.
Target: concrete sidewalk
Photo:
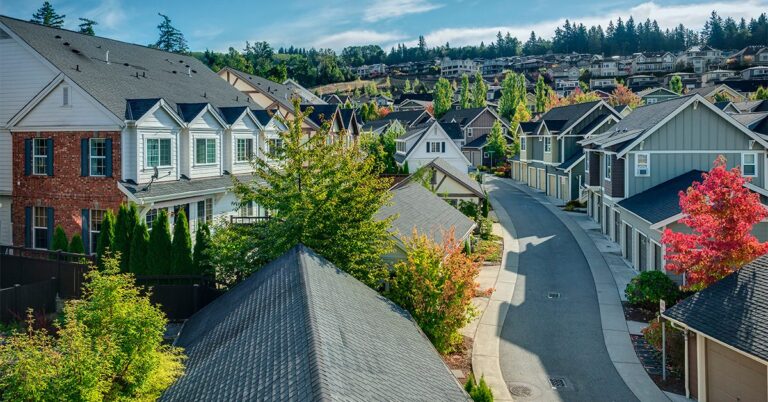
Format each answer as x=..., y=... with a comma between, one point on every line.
x=609, y=277
x=485, y=351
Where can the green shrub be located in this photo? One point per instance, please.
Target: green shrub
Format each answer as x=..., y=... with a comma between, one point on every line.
x=468, y=208
x=60, y=242
x=76, y=244
x=485, y=228
x=645, y=290
x=181, y=246
x=480, y=392
x=139, y=248
x=159, y=250
x=486, y=207
x=106, y=240
x=200, y=256
x=675, y=342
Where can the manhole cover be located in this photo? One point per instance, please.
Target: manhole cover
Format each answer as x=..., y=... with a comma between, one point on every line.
x=522, y=391
x=557, y=382
x=553, y=295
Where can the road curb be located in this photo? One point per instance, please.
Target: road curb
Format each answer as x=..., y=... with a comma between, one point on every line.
x=615, y=330
x=485, y=351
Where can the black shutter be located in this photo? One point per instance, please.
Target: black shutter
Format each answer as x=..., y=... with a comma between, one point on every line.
x=28, y=227
x=27, y=157
x=443, y=147
x=84, y=157
x=86, y=224
x=49, y=224
x=427, y=146
x=108, y=154
x=49, y=146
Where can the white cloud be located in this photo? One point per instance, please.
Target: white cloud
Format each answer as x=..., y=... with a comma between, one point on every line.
x=668, y=16
x=109, y=14
x=386, y=9
x=355, y=37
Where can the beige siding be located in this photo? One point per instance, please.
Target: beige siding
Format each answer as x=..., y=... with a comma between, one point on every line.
x=731, y=376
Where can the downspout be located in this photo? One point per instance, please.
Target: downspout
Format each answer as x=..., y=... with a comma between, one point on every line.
x=686, y=364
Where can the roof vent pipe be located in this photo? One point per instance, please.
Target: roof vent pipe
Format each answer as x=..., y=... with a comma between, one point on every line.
x=107, y=57
x=189, y=71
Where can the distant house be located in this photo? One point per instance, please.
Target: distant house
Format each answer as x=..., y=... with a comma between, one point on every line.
x=750, y=56
x=701, y=58
x=421, y=144
x=455, y=68
x=709, y=93
x=655, y=95
x=475, y=125
x=653, y=62
x=709, y=77
x=414, y=207
x=642, y=81
x=406, y=118
x=755, y=73
x=449, y=183
x=301, y=329
x=726, y=337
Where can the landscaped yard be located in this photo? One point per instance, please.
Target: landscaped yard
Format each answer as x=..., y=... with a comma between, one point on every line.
x=489, y=250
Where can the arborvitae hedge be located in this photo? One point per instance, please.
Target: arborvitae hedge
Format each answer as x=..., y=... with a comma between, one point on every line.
x=181, y=249
x=202, y=262
x=60, y=242
x=106, y=241
x=159, y=250
x=139, y=249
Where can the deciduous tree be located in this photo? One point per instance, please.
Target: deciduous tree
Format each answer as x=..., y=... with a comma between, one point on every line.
x=542, y=92
x=442, y=97
x=479, y=92
x=496, y=144
x=721, y=213
x=676, y=84
x=466, y=96
x=624, y=96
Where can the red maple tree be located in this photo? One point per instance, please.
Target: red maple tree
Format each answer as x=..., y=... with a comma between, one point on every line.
x=721, y=213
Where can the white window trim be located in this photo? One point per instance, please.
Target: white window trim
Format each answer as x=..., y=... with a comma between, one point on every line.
x=91, y=157
x=547, y=140
x=146, y=158
x=607, y=167
x=215, y=151
x=743, y=164
x=523, y=143
x=647, y=164
x=91, y=232
x=35, y=156
x=237, y=149
x=35, y=227
x=66, y=97
x=586, y=162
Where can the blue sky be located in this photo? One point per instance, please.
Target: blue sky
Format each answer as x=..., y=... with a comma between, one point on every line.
x=337, y=23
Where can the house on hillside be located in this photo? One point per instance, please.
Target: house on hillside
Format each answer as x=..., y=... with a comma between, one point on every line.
x=117, y=122
x=725, y=337
x=421, y=144
x=475, y=124
x=701, y=58
x=710, y=93
x=749, y=56
x=655, y=95
x=551, y=159
x=299, y=328
x=653, y=62
x=636, y=170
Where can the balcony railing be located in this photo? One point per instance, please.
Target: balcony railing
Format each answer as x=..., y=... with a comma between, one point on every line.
x=248, y=220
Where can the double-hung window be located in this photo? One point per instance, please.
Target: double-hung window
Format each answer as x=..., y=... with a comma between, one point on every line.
x=642, y=165
x=436, y=146
x=400, y=145
x=98, y=156
x=40, y=156
x=749, y=164
x=246, y=209
x=205, y=210
x=608, y=166
x=40, y=227
x=150, y=218
x=523, y=143
x=547, y=145
x=244, y=149
x=97, y=216
x=158, y=152
x=274, y=146
x=205, y=151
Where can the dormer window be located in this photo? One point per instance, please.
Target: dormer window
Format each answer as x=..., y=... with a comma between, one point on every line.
x=158, y=152
x=205, y=151
x=65, y=96
x=547, y=145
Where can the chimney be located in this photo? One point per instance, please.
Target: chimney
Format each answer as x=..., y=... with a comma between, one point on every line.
x=107, y=57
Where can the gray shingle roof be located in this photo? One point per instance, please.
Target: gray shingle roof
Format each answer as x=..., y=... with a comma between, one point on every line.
x=416, y=207
x=277, y=91
x=160, y=74
x=662, y=201
x=301, y=329
x=459, y=176
x=182, y=187
x=733, y=311
x=453, y=130
x=572, y=160
x=477, y=142
x=563, y=117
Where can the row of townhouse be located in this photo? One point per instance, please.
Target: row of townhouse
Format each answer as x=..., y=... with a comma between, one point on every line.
x=87, y=123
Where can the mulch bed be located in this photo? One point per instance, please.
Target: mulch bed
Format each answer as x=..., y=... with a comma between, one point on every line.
x=461, y=359
x=650, y=358
x=632, y=313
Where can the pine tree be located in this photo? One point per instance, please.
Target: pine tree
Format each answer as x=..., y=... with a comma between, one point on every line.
x=76, y=245
x=106, y=241
x=480, y=91
x=465, y=94
x=86, y=26
x=442, y=97
x=139, y=249
x=46, y=15
x=181, y=246
x=171, y=39
x=60, y=242
x=676, y=84
x=159, y=250
x=201, y=261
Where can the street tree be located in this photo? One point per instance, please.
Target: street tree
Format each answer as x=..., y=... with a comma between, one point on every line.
x=624, y=96
x=541, y=92
x=479, y=92
x=496, y=144
x=721, y=212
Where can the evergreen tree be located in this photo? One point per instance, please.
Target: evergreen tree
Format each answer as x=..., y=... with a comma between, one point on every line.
x=170, y=39
x=465, y=94
x=676, y=84
x=86, y=26
x=407, y=87
x=60, y=242
x=442, y=98
x=106, y=241
x=406, y=169
x=181, y=246
x=485, y=206
x=76, y=245
x=201, y=261
x=496, y=144
x=480, y=91
x=159, y=250
x=46, y=15
x=139, y=250
x=123, y=230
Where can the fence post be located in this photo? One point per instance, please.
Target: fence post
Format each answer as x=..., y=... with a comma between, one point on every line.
x=195, y=298
x=16, y=298
x=58, y=270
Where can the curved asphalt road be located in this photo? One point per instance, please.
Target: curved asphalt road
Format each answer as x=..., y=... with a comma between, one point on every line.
x=545, y=337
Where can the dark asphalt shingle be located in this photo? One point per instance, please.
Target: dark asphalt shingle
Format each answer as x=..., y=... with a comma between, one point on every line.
x=662, y=201
x=300, y=329
x=733, y=311
x=178, y=188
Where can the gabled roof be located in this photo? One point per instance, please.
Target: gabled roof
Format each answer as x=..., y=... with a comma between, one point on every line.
x=135, y=108
x=751, y=106
x=750, y=120
x=572, y=161
x=321, y=113
x=231, y=114
x=662, y=201
x=133, y=73
x=733, y=311
x=413, y=96
x=407, y=117
x=176, y=189
x=461, y=116
x=301, y=329
x=413, y=206
x=458, y=176
x=562, y=118
x=649, y=91
x=453, y=130
x=530, y=126
x=273, y=90
x=263, y=116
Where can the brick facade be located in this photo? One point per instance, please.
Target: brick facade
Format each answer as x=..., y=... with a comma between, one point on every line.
x=67, y=192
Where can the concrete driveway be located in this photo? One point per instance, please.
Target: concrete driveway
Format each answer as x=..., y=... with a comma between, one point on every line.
x=552, y=346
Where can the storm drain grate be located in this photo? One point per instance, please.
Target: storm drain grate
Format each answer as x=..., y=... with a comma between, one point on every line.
x=553, y=295
x=557, y=382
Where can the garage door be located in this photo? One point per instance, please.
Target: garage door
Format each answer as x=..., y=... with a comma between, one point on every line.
x=564, y=188
x=542, y=180
x=551, y=185
x=531, y=177
x=524, y=172
x=732, y=376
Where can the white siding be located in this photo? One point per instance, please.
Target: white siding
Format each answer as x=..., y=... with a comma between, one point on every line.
x=206, y=126
x=243, y=128
x=80, y=111
x=22, y=76
x=157, y=125
x=6, y=162
x=5, y=221
x=128, y=153
x=420, y=157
